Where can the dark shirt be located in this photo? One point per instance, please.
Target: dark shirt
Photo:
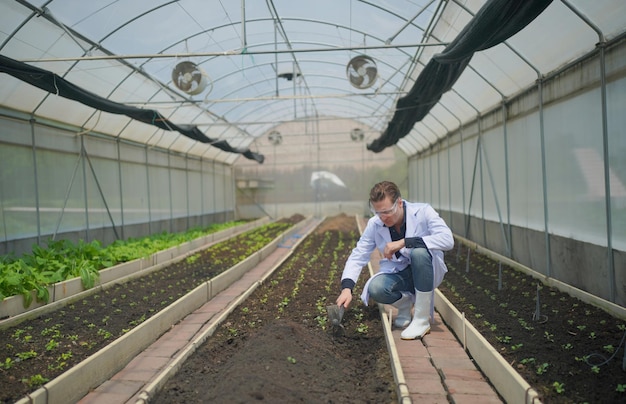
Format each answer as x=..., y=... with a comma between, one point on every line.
x=395, y=235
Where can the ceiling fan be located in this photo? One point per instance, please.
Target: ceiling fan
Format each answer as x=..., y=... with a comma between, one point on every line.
x=362, y=71
x=188, y=77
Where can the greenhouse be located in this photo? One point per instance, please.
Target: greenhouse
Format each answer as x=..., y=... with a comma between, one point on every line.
x=127, y=119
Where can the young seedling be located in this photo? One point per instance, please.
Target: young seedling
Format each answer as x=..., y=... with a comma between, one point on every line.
x=543, y=368
x=559, y=387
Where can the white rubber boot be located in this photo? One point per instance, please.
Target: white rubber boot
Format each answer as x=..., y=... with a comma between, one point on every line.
x=404, y=305
x=420, y=325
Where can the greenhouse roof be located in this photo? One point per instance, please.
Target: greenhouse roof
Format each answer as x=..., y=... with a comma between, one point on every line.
x=114, y=67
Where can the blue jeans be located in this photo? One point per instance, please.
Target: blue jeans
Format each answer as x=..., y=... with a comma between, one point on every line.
x=387, y=288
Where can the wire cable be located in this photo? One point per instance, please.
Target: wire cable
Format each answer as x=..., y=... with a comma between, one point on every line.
x=602, y=357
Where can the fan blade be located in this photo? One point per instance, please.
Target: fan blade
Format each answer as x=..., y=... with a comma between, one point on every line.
x=358, y=63
x=357, y=80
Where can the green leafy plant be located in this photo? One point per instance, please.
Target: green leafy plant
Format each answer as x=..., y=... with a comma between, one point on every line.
x=61, y=260
x=543, y=368
x=559, y=387
x=35, y=380
x=8, y=364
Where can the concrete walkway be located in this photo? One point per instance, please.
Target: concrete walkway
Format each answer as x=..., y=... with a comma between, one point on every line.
x=435, y=369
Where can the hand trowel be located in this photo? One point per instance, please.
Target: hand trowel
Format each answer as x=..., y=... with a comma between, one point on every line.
x=335, y=314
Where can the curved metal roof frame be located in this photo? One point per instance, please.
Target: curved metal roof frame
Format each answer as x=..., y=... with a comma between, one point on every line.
x=84, y=45
x=565, y=31
x=124, y=52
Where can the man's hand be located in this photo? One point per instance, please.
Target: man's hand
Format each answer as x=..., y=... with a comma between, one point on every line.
x=344, y=298
x=392, y=247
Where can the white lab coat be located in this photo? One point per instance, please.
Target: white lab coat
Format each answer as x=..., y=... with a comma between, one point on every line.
x=421, y=221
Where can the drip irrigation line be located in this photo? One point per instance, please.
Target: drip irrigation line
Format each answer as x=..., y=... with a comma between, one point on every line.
x=594, y=355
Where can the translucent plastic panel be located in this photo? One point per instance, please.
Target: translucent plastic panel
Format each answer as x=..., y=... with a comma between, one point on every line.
x=476, y=90
x=212, y=153
x=471, y=177
x=159, y=194
x=98, y=76
x=194, y=189
x=456, y=180
x=426, y=179
x=16, y=94
x=221, y=200
x=445, y=193
x=18, y=217
x=74, y=113
x=166, y=139
x=183, y=114
x=103, y=190
x=611, y=23
x=440, y=185
x=208, y=187
x=178, y=192
x=576, y=194
x=182, y=144
x=503, y=69
x=494, y=176
x=562, y=37
x=96, y=19
x=150, y=31
x=135, y=193
x=412, y=181
x=526, y=177
x=37, y=39
x=406, y=146
x=616, y=95
x=11, y=17
x=459, y=107
x=142, y=133
x=61, y=192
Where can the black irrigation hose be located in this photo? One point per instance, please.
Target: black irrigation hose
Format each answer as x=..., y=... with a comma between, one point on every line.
x=602, y=357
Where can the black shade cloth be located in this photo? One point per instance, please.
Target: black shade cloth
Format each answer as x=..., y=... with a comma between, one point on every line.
x=493, y=24
x=55, y=84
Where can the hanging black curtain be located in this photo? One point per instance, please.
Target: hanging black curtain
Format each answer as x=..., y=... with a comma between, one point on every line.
x=493, y=24
x=55, y=84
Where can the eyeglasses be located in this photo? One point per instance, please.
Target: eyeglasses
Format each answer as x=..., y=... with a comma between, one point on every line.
x=386, y=212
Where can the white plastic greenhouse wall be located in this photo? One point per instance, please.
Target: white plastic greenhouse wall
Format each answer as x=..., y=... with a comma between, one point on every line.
x=519, y=145
x=528, y=179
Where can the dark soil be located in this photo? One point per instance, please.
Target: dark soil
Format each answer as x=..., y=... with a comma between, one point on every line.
x=568, y=342
x=38, y=350
x=277, y=347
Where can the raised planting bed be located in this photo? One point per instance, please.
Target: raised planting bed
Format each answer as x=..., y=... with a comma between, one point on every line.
x=133, y=257
x=559, y=340
x=276, y=346
x=35, y=351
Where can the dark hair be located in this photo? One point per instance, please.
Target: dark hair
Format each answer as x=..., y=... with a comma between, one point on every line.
x=383, y=189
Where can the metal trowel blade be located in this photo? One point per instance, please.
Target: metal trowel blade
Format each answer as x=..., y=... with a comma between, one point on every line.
x=335, y=314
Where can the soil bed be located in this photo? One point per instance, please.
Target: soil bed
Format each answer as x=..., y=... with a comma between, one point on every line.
x=38, y=350
x=570, y=351
x=277, y=346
